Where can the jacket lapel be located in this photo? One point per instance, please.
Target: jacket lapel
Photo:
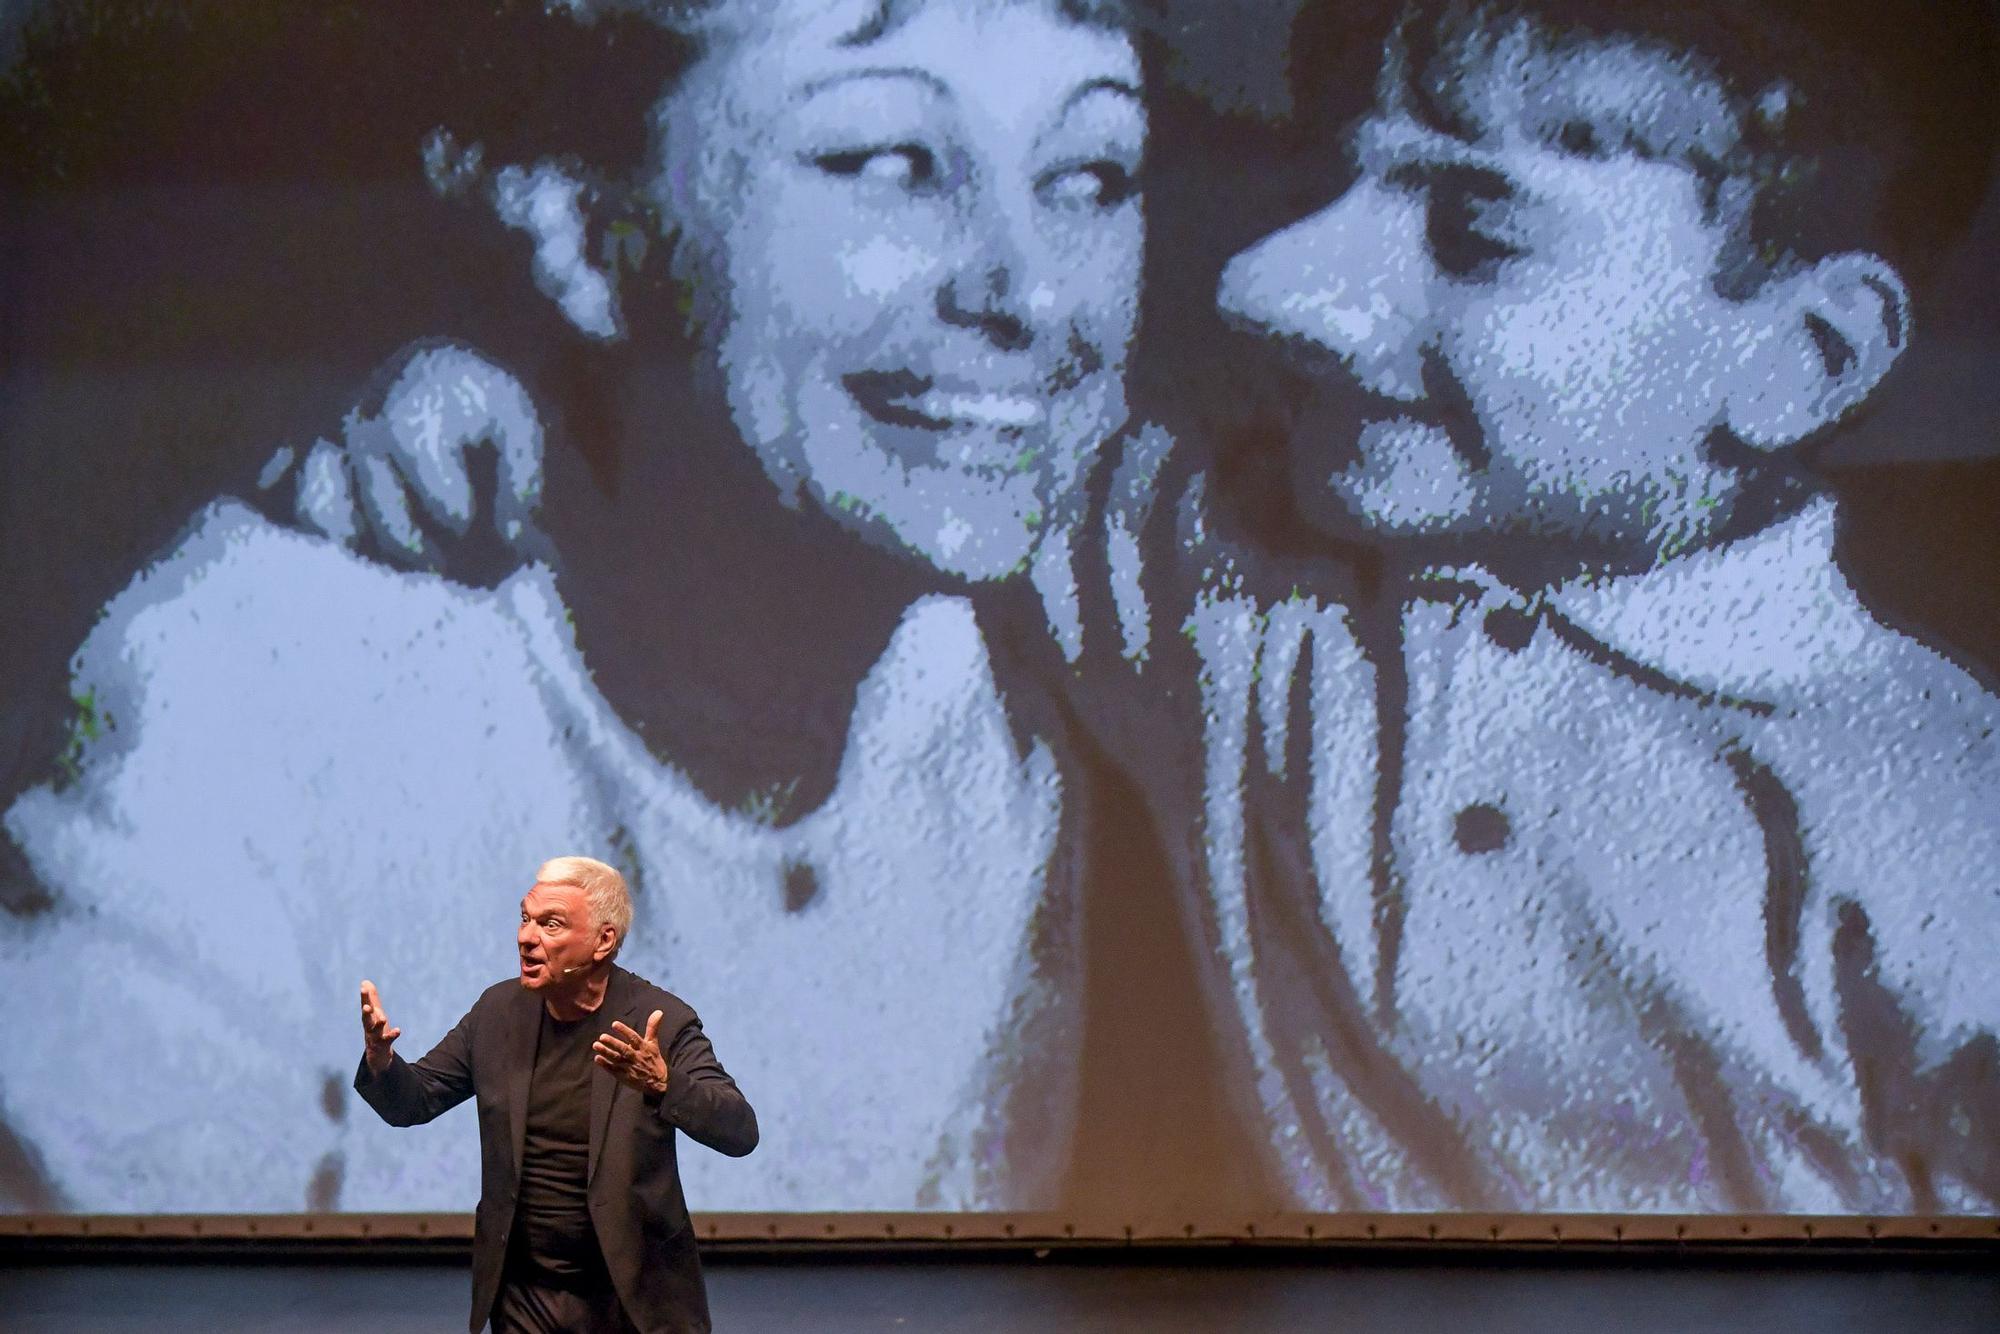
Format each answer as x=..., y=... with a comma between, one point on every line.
x=524, y=1029
x=603, y=1085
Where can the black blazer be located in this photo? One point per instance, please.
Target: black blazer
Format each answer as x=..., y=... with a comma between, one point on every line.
x=634, y=1184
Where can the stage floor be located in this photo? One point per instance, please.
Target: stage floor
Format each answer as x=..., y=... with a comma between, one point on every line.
x=1092, y=1295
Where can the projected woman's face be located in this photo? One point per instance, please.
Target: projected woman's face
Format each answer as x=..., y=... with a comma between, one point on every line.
x=920, y=231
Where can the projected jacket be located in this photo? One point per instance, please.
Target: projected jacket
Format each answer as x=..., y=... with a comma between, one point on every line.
x=303, y=768
x=1672, y=892
x=634, y=1189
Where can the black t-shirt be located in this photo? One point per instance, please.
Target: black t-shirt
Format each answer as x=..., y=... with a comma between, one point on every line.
x=552, y=1235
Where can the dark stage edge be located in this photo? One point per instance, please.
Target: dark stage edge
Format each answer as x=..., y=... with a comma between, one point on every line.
x=1090, y=1292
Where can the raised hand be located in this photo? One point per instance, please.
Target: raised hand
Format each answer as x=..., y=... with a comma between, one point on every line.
x=446, y=476
x=634, y=1059
x=375, y=1029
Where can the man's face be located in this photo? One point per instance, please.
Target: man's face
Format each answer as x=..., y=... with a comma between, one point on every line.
x=556, y=934
x=1524, y=334
x=923, y=246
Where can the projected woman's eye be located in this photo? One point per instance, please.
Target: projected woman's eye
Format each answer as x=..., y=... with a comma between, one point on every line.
x=1089, y=185
x=907, y=167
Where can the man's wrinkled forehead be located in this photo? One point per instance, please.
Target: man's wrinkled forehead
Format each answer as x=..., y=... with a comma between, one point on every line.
x=1499, y=81
x=545, y=897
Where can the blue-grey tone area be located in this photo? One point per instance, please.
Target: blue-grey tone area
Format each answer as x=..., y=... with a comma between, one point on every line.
x=1257, y=605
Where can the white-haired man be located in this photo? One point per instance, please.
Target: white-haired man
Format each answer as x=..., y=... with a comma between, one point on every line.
x=581, y=1222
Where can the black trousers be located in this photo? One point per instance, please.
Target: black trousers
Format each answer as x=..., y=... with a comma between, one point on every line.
x=524, y=1306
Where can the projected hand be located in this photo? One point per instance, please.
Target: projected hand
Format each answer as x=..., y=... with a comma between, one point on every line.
x=416, y=485
x=634, y=1059
x=375, y=1029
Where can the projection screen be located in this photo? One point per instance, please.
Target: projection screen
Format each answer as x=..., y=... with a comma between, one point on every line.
x=1266, y=605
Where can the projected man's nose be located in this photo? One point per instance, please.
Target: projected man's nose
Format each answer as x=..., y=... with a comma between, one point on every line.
x=1348, y=280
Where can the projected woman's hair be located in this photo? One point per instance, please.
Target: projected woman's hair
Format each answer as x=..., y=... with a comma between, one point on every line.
x=1425, y=718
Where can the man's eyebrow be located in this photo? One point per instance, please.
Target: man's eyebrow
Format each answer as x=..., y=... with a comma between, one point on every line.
x=1404, y=146
x=814, y=87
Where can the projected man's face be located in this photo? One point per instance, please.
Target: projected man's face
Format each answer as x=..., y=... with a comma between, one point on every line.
x=1522, y=310
x=926, y=236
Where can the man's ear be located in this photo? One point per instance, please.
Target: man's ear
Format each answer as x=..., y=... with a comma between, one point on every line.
x=1832, y=331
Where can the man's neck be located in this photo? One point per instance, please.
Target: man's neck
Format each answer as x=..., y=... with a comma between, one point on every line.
x=580, y=998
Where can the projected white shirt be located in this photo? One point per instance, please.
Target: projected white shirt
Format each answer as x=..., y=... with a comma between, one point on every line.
x=1678, y=892
x=307, y=768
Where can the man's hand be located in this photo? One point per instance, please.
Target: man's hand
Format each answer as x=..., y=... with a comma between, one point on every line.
x=376, y=1031
x=635, y=1060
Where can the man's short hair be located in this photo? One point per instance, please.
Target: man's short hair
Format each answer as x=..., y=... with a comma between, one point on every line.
x=1860, y=125
x=602, y=885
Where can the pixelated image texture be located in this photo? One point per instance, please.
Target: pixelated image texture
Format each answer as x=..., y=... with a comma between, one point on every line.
x=1295, y=557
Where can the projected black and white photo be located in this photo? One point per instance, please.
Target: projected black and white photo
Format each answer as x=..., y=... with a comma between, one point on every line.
x=1269, y=605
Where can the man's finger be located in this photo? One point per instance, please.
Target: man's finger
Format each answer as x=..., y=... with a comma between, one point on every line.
x=625, y=1031
x=653, y=1029
x=611, y=1046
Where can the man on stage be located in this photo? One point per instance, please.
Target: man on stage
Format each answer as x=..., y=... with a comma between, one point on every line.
x=581, y=1222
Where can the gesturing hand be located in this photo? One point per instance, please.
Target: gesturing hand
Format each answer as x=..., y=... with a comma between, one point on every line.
x=375, y=1029
x=635, y=1060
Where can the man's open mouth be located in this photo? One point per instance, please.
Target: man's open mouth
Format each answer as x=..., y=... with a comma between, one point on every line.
x=904, y=398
